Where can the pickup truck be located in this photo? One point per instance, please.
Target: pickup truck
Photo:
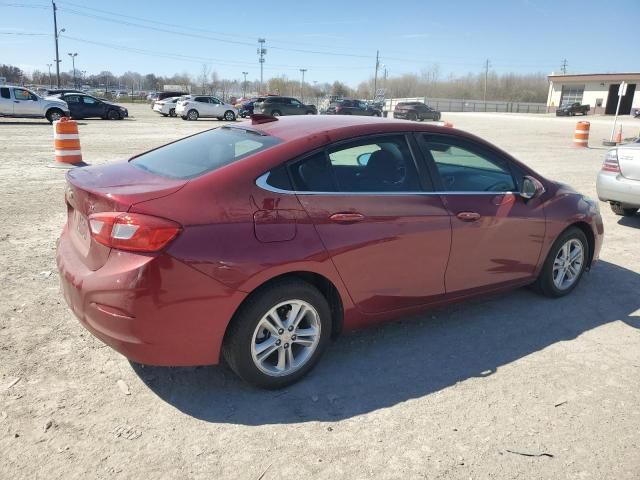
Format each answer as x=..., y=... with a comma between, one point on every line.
x=23, y=103
x=572, y=109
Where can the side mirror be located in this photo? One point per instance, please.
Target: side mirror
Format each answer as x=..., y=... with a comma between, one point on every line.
x=531, y=188
x=363, y=159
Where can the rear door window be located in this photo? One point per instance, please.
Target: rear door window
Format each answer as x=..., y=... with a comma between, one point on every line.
x=204, y=152
x=4, y=92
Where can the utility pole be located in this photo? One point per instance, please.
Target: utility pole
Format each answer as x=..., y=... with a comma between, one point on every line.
x=49, y=65
x=73, y=61
x=375, y=77
x=302, y=70
x=244, y=84
x=486, y=78
x=56, y=34
x=563, y=66
x=262, y=51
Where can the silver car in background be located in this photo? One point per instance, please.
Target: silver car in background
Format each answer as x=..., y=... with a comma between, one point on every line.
x=619, y=179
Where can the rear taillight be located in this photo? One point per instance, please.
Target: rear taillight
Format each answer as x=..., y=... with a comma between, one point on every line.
x=611, y=162
x=132, y=231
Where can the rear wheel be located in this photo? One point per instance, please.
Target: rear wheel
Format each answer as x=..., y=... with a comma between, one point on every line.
x=54, y=115
x=172, y=112
x=565, y=264
x=192, y=115
x=279, y=336
x=620, y=210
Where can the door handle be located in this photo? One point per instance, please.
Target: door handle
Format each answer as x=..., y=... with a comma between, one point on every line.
x=468, y=216
x=346, y=218
x=16, y=101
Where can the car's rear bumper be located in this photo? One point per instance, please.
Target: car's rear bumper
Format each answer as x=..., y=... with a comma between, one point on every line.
x=613, y=187
x=154, y=310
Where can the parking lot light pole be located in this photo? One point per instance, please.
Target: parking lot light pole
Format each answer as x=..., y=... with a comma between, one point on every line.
x=56, y=35
x=49, y=65
x=73, y=61
x=302, y=70
x=244, y=84
x=261, y=53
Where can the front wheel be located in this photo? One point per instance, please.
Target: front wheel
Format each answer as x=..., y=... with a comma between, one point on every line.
x=278, y=337
x=113, y=115
x=565, y=264
x=54, y=115
x=172, y=112
x=229, y=116
x=276, y=113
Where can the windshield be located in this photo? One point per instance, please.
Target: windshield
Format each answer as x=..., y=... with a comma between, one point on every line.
x=203, y=152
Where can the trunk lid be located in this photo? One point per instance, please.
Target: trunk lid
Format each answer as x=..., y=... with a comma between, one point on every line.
x=629, y=160
x=107, y=188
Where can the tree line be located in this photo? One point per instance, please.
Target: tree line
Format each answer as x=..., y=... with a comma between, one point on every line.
x=429, y=83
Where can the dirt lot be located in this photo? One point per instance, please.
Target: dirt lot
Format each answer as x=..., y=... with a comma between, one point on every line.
x=517, y=387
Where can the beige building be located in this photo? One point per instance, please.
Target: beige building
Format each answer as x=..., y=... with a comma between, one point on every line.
x=600, y=90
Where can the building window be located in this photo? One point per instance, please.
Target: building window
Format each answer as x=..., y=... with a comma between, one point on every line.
x=571, y=94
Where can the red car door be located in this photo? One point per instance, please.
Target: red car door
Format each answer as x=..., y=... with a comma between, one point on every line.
x=388, y=239
x=496, y=234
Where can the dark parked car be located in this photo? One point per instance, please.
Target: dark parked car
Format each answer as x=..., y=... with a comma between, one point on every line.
x=82, y=105
x=246, y=108
x=573, y=109
x=312, y=226
x=60, y=91
x=353, y=107
x=415, y=111
x=276, y=106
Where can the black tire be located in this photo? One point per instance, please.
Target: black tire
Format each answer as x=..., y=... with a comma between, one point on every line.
x=620, y=210
x=192, y=115
x=438, y=117
x=229, y=116
x=412, y=116
x=184, y=117
x=276, y=113
x=544, y=284
x=54, y=114
x=239, y=337
x=113, y=115
x=172, y=112
x=310, y=112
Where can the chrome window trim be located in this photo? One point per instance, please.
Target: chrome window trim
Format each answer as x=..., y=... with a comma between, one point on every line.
x=261, y=182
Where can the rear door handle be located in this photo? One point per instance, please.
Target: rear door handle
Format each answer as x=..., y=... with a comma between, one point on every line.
x=346, y=218
x=468, y=216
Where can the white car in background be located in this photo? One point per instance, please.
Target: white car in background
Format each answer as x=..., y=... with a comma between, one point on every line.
x=619, y=180
x=166, y=107
x=23, y=103
x=192, y=107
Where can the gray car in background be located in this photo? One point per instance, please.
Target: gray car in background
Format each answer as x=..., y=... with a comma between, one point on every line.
x=276, y=106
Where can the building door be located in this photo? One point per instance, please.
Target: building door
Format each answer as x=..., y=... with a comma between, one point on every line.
x=625, y=103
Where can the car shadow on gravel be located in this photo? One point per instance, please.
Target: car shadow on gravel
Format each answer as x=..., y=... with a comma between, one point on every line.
x=630, y=221
x=381, y=367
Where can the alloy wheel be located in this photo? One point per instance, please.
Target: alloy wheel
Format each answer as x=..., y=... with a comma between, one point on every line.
x=568, y=264
x=285, y=338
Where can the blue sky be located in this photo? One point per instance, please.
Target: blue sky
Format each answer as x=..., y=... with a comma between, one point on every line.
x=332, y=39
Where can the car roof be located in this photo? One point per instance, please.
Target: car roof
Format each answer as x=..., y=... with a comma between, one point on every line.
x=336, y=127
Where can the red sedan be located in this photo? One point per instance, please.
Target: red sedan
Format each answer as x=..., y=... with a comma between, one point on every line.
x=258, y=242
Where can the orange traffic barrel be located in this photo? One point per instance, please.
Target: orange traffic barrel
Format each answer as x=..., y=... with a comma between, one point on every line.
x=581, y=135
x=66, y=142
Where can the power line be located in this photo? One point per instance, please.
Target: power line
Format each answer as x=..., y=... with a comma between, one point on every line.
x=564, y=66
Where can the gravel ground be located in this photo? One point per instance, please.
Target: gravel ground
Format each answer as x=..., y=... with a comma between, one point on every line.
x=516, y=387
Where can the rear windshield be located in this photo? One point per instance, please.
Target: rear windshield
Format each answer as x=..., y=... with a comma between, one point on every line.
x=204, y=152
